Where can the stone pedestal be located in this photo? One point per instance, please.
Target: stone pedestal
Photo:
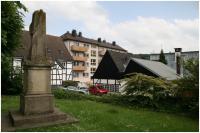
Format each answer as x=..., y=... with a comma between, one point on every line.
x=37, y=101
x=36, y=104
x=37, y=97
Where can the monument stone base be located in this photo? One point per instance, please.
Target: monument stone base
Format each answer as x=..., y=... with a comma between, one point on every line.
x=20, y=121
x=36, y=104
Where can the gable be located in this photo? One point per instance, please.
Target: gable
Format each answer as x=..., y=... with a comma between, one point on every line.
x=107, y=69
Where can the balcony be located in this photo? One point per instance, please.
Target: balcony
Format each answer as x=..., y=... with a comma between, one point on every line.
x=79, y=68
x=79, y=48
x=80, y=58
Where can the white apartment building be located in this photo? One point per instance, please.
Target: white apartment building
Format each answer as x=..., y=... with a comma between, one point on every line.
x=87, y=54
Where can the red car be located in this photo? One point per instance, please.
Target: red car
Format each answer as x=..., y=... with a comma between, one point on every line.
x=97, y=90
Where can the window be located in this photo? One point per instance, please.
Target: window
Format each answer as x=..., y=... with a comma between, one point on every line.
x=77, y=43
x=75, y=74
x=76, y=54
x=48, y=51
x=64, y=64
x=93, y=53
x=86, y=55
x=93, y=62
x=87, y=64
x=92, y=69
x=85, y=74
x=86, y=45
x=60, y=51
x=76, y=63
x=93, y=46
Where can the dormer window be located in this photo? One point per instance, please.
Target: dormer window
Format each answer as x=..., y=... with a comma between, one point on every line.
x=61, y=51
x=48, y=51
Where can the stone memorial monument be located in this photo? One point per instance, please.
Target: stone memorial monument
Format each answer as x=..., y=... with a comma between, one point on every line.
x=37, y=101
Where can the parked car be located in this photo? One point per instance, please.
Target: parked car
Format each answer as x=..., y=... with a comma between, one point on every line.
x=97, y=90
x=82, y=90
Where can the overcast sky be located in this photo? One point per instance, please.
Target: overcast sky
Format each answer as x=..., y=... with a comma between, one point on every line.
x=139, y=27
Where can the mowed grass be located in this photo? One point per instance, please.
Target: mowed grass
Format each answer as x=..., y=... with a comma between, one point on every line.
x=105, y=117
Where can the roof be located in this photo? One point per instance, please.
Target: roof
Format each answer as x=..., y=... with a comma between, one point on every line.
x=114, y=65
x=157, y=68
x=120, y=59
x=55, y=47
x=69, y=36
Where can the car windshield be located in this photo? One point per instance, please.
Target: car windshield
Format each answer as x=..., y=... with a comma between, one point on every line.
x=83, y=88
x=99, y=87
x=72, y=87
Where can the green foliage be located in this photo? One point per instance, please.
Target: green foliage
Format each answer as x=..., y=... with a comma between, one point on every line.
x=11, y=29
x=69, y=83
x=188, y=87
x=162, y=57
x=190, y=81
x=11, y=85
x=16, y=85
x=140, y=84
x=67, y=94
x=11, y=25
x=6, y=68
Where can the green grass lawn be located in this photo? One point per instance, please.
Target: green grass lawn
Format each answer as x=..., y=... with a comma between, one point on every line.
x=105, y=117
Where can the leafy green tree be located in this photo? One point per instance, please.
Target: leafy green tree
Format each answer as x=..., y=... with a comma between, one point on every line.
x=11, y=30
x=190, y=80
x=188, y=86
x=162, y=57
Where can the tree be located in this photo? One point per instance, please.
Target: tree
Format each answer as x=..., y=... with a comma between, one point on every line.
x=11, y=30
x=162, y=57
x=188, y=86
x=190, y=80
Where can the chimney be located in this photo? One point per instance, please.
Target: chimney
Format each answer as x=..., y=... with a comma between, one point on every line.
x=74, y=33
x=113, y=43
x=178, y=60
x=80, y=34
x=104, y=41
x=99, y=39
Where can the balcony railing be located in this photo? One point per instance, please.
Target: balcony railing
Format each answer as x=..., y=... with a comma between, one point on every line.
x=80, y=58
x=79, y=48
x=79, y=68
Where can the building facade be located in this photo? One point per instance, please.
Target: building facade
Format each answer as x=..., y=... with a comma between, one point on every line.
x=171, y=58
x=87, y=54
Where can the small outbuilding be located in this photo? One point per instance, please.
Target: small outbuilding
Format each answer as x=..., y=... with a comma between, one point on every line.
x=115, y=65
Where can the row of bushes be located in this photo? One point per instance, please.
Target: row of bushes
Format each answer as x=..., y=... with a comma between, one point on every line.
x=167, y=104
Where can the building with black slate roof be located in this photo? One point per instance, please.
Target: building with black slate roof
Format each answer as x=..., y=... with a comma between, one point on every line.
x=115, y=65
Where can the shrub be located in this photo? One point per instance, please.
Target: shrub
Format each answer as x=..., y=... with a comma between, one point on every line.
x=147, y=90
x=69, y=83
x=67, y=94
x=15, y=85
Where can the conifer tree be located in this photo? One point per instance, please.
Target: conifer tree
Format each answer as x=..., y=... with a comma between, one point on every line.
x=162, y=57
